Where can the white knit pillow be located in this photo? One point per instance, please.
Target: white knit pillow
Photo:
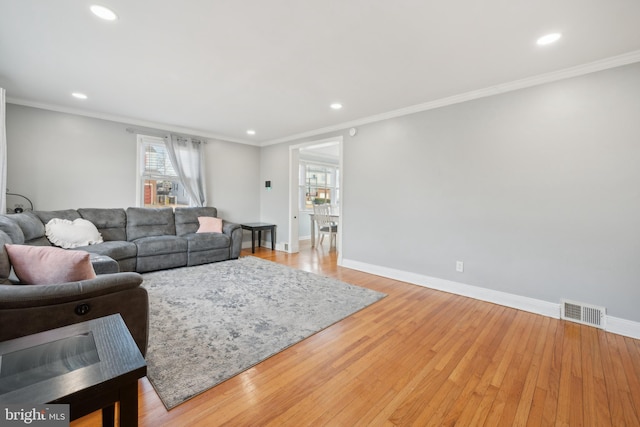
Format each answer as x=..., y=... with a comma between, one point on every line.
x=71, y=234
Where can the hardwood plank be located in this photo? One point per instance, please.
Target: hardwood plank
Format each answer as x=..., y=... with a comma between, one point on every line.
x=465, y=376
x=510, y=385
x=421, y=357
x=531, y=372
x=472, y=411
x=565, y=397
x=595, y=408
x=630, y=414
x=551, y=381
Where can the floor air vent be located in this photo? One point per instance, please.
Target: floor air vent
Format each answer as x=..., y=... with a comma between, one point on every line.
x=586, y=314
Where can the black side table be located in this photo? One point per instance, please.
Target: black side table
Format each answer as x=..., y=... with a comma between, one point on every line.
x=89, y=366
x=259, y=226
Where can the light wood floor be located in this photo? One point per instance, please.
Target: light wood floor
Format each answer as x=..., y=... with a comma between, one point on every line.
x=422, y=357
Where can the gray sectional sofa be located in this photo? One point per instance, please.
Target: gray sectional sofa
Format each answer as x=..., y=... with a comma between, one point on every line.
x=136, y=240
x=28, y=309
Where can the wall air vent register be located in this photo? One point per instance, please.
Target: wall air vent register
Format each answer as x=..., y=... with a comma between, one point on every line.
x=585, y=314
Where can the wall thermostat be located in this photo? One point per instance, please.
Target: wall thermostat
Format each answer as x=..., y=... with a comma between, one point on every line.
x=353, y=131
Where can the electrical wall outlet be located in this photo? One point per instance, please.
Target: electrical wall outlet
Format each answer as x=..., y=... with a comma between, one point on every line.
x=459, y=266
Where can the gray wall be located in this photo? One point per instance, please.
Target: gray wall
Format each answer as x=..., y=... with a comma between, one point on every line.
x=274, y=203
x=536, y=190
x=232, y=177
x=63, y=161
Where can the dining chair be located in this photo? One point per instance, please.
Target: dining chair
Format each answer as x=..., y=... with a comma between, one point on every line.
x=322, y=216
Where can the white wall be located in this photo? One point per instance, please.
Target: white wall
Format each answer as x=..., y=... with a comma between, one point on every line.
x=63, y=161
x=535, y=190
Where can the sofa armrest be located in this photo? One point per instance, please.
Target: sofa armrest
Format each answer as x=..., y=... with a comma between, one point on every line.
x=20, y=296
x=234, y=231
x=29, y=309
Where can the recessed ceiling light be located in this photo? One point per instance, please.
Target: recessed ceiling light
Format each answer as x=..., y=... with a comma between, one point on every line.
x=103, y=12
x=548, y=39
x=79, y=95
x=336, y=106
x=251, y=132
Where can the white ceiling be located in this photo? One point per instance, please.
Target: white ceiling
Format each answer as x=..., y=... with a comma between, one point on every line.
x=216, y=68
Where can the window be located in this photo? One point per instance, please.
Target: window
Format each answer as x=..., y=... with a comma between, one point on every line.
x=318, y=184
x=158, y=182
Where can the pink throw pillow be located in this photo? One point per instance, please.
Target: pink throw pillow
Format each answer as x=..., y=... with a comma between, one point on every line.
x=46, y=265
x=209, y=224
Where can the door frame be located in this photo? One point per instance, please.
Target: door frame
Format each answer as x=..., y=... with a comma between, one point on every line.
x=294, y=185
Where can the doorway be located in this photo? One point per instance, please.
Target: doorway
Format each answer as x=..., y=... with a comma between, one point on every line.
x=325, y=156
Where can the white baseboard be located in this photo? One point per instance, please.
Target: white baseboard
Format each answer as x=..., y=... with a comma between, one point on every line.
x=615, y=325
x=246, y=244
x=625, y=327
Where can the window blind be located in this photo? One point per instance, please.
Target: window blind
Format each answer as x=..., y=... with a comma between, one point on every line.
x=157, y=161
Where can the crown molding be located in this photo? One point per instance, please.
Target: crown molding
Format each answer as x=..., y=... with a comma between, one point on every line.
x=128, y=121
x=591, y=67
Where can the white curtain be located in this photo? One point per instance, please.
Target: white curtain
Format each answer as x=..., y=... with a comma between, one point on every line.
x=3, y=154
x=187, y=159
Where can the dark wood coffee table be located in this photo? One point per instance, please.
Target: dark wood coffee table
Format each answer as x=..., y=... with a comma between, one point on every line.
x=89, y=366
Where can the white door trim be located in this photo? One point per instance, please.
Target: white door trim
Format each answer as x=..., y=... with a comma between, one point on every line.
x=294, y=212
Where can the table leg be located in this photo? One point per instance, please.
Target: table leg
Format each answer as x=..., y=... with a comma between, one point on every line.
x=273, y=238
x=129, y=405
x=108, y=415
x=259, y=238
x=253, y=241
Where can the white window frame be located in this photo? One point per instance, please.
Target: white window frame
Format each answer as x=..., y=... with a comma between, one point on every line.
x=142, y=141
x=334, y=188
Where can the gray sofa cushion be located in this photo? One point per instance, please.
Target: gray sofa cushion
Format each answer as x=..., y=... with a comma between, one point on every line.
x=161, y=262
x=149, y=222
x=32, y=228
x=111, y=223
x=187, y=218
x=46, y=216
x=128, y=264
x=12, y=229
x=205, y=257
x=122, y=251
x=160, y=245
x=206, y=241
x=207, y=247
x=103, y=264
x=160, y=252
x=115, y=249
